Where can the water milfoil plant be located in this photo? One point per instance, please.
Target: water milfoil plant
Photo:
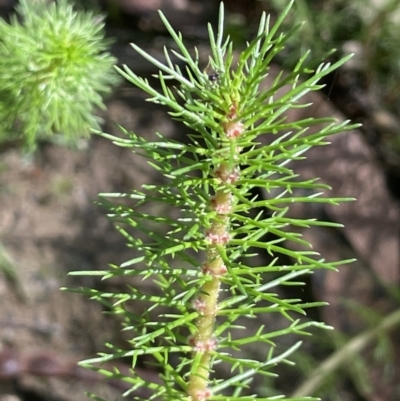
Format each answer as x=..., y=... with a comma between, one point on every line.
x=199, y=236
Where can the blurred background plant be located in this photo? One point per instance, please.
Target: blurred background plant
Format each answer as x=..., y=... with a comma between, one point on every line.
x=54, y=70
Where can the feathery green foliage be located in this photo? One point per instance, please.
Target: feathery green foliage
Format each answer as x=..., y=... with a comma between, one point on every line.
x=54, y=69
x=197, y=253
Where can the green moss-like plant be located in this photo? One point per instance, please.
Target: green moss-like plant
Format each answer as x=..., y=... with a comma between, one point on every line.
x=197, y=253
x=54, y=70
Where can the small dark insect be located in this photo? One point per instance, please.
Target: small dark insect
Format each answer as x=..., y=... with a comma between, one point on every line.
x=213, y=77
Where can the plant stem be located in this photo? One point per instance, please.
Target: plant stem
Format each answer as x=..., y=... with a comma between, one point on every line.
x=356, y=345
x=204, y=342
x=217, y=236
